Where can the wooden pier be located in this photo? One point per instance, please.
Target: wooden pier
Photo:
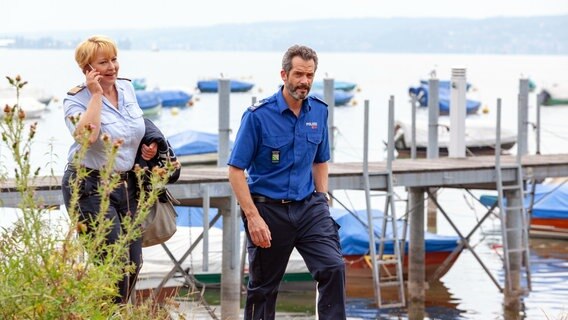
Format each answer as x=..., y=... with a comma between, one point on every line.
x=209, y=187
x=199, y=186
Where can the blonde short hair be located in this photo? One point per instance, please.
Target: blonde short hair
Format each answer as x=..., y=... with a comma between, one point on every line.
x=88, y=49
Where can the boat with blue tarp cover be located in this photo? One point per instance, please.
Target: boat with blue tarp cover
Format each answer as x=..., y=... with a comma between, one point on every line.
x=211, y=86
x=549, y=214
x=444, y=92
x=174, y=98
x=354, y=238
x=149, y=102
x=192, y=147
x=341, y=97
x=337, y=85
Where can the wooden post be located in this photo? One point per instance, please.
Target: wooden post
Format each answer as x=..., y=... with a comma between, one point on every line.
x=230, y=276
x=224, y=121
x=416, y=256
x=456, y=148
x=433, y=151
x=329, y=98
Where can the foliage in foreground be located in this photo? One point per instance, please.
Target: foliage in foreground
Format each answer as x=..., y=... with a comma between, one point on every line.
x=62, y=275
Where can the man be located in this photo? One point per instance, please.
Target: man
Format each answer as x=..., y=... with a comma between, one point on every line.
x=283, y=144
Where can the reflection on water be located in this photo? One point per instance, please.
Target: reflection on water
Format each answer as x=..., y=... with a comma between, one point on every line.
x=549, y=267
x=547, y=300
x=439, y=304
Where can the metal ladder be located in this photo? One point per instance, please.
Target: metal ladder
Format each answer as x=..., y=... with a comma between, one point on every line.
x=387, y=271
x=515, y=249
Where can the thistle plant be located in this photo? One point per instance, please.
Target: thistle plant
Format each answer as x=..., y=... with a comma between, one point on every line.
x=72, y=275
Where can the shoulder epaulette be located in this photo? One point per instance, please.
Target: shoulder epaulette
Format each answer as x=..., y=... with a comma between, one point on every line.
x=258, y=104
x=318, y=99
x=123, y=79
x=73, y=91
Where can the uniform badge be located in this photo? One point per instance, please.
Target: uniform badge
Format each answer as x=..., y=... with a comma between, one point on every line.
x=275, y=156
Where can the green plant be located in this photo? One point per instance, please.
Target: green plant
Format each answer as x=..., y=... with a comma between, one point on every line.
x=70, y=276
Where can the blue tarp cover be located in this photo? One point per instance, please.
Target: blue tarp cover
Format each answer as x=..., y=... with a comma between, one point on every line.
x=173, y=98
x=550, y=201
x=444, y=93
x=354, y=237
x=191, y=142
x=147, y=99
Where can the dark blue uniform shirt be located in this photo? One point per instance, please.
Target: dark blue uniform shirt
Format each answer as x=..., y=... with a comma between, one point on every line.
x=278, y=149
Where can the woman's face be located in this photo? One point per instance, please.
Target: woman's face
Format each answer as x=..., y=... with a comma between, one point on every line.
x=107, y=65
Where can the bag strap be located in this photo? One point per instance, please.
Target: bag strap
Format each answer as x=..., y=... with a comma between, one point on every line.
x=171, y=197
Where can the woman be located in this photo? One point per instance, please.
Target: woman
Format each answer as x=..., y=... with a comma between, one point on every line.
x=107, y=105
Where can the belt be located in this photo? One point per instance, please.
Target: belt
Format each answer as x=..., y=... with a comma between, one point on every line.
x=263, y=199
x=92, y=173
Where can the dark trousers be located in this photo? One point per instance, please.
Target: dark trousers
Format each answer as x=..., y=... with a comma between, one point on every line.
x=308, y=226
x=123, y=201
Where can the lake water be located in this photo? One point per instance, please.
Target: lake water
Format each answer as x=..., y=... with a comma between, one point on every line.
x=465, y=292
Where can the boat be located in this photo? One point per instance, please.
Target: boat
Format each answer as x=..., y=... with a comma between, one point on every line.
x=210, y=86
x=139, y=83
x=149, y=102
x=549, y=214
x=337, y=85
x=354, y=239
x=195, y=147
x=444, y=93
x=554, y=95
x=341, y=97
x=32, y=107
x=479, y=138
x=174, y=98
x=36, y=93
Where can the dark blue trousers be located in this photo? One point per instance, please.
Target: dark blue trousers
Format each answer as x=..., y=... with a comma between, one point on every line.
x=122, y=201
x=307, y=226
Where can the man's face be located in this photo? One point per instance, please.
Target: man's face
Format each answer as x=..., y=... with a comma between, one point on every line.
x=298, y=81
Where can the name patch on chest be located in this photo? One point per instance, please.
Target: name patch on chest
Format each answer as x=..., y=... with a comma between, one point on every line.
x=312, y=124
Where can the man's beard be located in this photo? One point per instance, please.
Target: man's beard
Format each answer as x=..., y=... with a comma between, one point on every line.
x=293, y=91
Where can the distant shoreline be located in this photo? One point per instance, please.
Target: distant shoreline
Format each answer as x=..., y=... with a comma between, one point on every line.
x=542, y=35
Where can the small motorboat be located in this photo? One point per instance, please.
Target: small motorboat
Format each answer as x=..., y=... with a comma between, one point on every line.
x=480, y=138
x=149, y=102
x=337, y=85
x=139, y=83
x=354, y=239
x=174, y=98
x=444, y=92
x=341, y=97
x=211, y=86
x=549, y=214
x=554, y=95
x=195, y=147
x=31, y=106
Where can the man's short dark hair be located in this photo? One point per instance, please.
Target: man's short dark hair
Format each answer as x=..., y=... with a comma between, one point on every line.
x=306, y=53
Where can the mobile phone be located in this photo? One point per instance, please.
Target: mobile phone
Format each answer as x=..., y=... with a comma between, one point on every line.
x=87, y=69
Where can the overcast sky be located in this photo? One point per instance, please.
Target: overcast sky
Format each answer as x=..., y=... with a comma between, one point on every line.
x=57, y=15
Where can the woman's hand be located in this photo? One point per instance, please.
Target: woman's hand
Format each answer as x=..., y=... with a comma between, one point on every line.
x=149, y=152
x=93, y=78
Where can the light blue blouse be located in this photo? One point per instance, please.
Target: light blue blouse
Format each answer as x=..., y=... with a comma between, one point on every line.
x=126, y=123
